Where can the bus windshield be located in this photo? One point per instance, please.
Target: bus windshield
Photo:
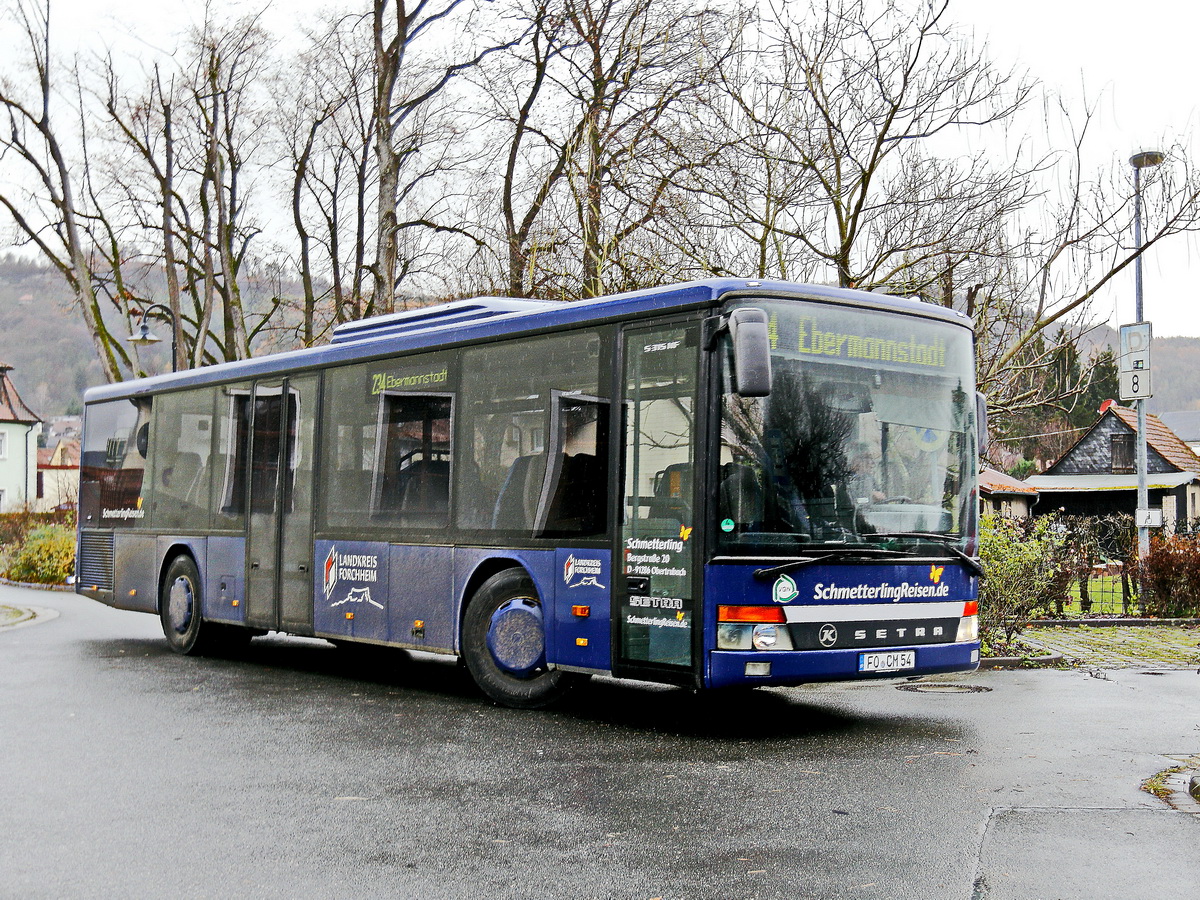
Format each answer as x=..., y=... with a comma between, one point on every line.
x=868, y=435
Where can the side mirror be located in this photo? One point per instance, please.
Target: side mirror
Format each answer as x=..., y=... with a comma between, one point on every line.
x=981, y=421
x=751, y=352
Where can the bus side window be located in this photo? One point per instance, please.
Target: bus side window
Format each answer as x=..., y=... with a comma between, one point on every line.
x=533, y=443
x=413, y=477
x=113, y=462
x=385, y=443
x=230, y=455
x=182, y=457
x=574, y=500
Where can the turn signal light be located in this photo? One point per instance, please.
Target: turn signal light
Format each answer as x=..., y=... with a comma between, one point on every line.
x=769, y=614
x=971, y=608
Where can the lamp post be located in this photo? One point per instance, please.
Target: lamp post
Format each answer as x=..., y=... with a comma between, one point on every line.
x=1142, y=160
x=145, y=338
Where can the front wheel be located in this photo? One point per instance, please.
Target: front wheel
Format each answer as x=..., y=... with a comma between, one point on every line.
x=179, y=609
x=504, y=644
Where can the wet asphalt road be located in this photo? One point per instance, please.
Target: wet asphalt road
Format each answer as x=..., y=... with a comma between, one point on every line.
x=299, y=771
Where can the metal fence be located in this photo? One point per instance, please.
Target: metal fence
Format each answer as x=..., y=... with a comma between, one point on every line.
x=1099, y=573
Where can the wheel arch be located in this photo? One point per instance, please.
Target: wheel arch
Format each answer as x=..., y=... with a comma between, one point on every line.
x=479, y=575
x=173, y=551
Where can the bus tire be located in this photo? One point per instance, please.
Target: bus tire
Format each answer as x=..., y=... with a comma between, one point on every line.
x=504, y=644
x=180, y=604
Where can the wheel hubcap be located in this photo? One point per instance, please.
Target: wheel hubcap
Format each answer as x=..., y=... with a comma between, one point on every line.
x=179, y=606
x=516, y=637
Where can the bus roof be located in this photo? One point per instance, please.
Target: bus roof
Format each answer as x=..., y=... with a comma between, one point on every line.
x=465, y=321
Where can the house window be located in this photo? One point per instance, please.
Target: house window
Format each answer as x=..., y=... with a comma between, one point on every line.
x=1122, y=454
x=3, y=445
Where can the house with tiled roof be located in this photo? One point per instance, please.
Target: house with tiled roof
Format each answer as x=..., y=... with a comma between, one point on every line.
x=19, y=428
x=1098, y=475
x=58, y=476
x=1005, y=495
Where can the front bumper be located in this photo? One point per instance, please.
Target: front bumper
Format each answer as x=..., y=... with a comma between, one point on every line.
x=727, y=668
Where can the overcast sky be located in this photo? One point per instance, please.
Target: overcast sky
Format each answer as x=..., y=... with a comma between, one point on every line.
x=1140, y=60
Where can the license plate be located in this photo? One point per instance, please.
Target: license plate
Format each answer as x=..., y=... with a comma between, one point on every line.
x=888, y=661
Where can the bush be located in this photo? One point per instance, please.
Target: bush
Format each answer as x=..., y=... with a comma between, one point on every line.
x=15, y=525
x=1021, y=559
x=1170, y=576
x=47, y=556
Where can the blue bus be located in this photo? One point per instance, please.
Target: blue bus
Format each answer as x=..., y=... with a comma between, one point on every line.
x=713, y=484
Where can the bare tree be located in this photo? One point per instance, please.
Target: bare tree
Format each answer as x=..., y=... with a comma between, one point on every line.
x=535, y=155
x=328, y=131
x=228, y=60
x=146, y=125
x=634, y=68
x=49, y=215
x=833, y=115
x=1035, y=296
x=407, y=128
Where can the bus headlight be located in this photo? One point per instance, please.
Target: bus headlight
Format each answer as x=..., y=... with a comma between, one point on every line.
x=771, y=637
x=968, y=629
x=765, y=637
x=733, y=637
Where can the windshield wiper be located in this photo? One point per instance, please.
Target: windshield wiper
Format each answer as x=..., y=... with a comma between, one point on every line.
x=946, y=540
x=826, y=556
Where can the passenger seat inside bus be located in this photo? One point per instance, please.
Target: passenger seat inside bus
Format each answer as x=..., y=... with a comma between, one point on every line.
x=741, y=497
x=578, y=503
x=673, y=493
x=425, y=489
x=180, y=478
x=516, y=504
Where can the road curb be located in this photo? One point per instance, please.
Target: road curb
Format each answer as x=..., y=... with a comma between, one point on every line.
x=33, y=616
x=33, y=586
x=1013, y=662
x=1103, y=623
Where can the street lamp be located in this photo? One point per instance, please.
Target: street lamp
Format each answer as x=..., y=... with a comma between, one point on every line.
x=145, y=338
x=1144, y=159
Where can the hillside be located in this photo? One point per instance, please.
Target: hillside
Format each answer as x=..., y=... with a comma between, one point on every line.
x=43, y=338
x=1176, y=367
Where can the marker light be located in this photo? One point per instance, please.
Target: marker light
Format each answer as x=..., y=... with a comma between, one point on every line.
x=768, y=614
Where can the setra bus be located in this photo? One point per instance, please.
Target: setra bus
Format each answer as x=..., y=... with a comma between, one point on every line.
x=711, y=484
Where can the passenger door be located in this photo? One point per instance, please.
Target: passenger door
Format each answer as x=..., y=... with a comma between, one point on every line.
x=656, y=608
x=279, y=534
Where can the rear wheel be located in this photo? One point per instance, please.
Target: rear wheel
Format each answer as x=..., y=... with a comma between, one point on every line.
x=504, y=644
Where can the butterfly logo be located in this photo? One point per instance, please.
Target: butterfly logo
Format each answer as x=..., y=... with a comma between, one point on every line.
x=685, y=532
x=935, y=573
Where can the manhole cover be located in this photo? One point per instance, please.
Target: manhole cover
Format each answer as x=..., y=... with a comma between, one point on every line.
x=935, y=688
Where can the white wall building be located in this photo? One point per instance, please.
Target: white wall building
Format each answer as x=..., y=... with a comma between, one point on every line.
x=19, y=429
